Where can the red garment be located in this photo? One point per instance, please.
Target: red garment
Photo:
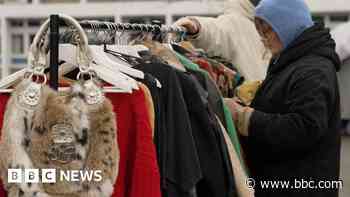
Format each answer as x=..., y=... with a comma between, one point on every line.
x=138, y=170
x=2, y=190
x=205, y=65
x=3, y=101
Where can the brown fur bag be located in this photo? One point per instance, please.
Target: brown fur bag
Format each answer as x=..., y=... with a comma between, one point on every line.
x=66, y=133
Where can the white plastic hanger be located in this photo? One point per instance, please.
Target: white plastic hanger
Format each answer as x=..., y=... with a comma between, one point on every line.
x=158, y=84
x=121, y=47
x=109, y=77
x=123, y=84
x=103, y=69
x=101, y=58
x=132, y=50
x=36, y=56
x=11, y=80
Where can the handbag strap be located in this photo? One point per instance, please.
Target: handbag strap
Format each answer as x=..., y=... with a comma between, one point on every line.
x=37, y=60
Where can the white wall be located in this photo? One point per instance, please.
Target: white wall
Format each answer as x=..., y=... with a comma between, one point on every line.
x=329, y=6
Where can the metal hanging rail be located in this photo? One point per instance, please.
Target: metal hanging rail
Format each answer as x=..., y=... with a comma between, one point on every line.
x=100, y=25
x=56, y=23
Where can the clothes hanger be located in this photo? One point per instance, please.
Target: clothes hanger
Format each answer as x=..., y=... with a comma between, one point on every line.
x=165, y=50
x=120, y=81
x=165, y=54
x=106, y=88
x=15, y=78
x=111, y=74
x=174, y=41
x=114, y=77
x=101, y=58
x=122, y=54
x=37, y=58
x=109, y=66
x=125, y=53
x=124, y=48
x=105, y=72
x=133, y=58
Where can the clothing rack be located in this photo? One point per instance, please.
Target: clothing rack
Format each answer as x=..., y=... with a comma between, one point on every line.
x=56, y=23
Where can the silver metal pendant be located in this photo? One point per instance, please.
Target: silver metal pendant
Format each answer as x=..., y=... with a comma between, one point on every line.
x=62, y=149
x=30, y=97
x=93, y=93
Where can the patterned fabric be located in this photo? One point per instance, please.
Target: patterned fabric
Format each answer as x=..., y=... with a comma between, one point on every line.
x=138, y=170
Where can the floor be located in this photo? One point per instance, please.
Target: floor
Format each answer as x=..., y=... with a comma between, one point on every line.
x=345, y=167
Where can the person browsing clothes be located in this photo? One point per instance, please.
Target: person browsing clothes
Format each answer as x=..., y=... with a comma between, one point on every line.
x=291, y=129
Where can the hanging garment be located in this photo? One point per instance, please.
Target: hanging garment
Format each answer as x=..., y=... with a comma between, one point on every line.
x=138, y=170
x=174, y=182
x=235, y=139
x=239, y=79
x=341, y=37
x=214, y=96
x=228, y=116
x=222, y=61
x=246, y=92
x=233, y=36
x=164, y=53
x=2, y=191
x=238, y=170
x=344, y=89
x=205, y=65
x=225, y=75
x=211, y=147
x=220, y=109
x=226, y=78
x=3, y=102
x=187, y=63
x=149, y=105
x=64, y=132
x=159, y=126
x=178, y=155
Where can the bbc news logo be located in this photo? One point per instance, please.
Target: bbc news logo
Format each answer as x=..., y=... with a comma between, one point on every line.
x=51, y=175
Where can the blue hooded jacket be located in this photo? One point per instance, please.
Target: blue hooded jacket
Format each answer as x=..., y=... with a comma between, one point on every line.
x=288, y=18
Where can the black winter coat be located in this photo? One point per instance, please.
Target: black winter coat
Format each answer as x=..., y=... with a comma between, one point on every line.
x=294, y=132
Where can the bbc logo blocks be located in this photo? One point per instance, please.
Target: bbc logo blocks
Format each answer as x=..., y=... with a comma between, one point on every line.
x=31, y=176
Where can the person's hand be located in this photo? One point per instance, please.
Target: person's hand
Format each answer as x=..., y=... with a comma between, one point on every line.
x=240, y=115
x=191, y=24
x=235, y=108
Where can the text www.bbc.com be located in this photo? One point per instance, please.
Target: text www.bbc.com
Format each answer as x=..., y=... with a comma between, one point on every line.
x=297, y=184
